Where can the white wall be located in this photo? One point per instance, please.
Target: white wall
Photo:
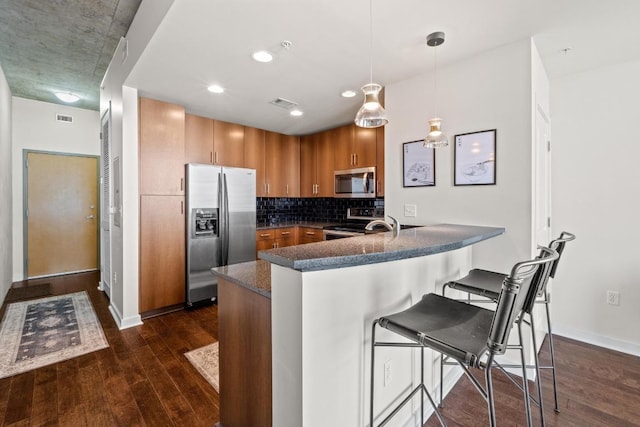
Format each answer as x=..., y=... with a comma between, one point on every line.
x=124, y=144
x=596, y=183
x=34, y=127
x=489, y=91
x=5, y=187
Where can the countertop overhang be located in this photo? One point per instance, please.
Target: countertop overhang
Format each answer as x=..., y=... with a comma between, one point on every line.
x=381, y=247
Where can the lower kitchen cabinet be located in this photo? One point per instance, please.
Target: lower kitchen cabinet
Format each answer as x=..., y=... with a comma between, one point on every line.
x=275, y=238
x=309, y=235
x=162, y=253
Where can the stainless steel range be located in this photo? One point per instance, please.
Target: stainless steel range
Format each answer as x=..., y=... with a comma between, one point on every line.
x=358, y=219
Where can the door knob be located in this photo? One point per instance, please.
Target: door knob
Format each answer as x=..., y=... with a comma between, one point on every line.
x=90, y=217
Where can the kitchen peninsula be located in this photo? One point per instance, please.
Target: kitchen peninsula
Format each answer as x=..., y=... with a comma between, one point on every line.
x=296, y=324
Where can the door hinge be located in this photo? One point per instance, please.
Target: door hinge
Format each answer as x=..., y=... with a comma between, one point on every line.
x=26, y=213
x=548, y=222
x=548, y=145
x=26, y=163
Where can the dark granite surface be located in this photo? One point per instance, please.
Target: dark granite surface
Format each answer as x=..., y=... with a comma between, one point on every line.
x=381, y=247
x=253, y=275
x=310, y=224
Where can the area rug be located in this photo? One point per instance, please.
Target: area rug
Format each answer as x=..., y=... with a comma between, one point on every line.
x=41, y=332
x=205, y=360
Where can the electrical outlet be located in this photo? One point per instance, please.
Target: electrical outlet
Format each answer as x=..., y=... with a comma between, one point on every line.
x=387, y=373
x=613, y=297
x=410, y=210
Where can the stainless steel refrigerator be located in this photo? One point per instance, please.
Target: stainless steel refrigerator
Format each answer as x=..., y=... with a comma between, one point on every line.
x=221, y=225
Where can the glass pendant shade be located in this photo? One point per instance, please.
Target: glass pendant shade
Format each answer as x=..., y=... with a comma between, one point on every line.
x=371, y=114
x=436, y=138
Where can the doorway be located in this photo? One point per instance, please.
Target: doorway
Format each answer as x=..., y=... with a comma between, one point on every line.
x=61, y=213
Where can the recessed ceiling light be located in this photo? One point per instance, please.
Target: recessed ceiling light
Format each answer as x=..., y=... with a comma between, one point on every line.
x=262, y=56
x=215, y=89
x=349, y=93
x=296, y=113
x=67, y=97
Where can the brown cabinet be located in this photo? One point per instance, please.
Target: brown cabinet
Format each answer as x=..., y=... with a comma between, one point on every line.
x=213, y=142
x=162, y=254
x=380, y=161
x=254, y=157
x=275, y=238
x=355, y=147
x=282, y=165
x=309, y=235
x=316, y=165
x=228, y=144
x=161, y=139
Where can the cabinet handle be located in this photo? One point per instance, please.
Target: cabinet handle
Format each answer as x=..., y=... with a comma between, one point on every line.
x=265, y=234
x=287, y=188
x=211, y=157
x=310, y=233
x=285, y=233
x=377, y=186
x=275, y=245
x=181, y=184
x=267, y=188
x=182, y=207
x=355, y=159
x=215, y=157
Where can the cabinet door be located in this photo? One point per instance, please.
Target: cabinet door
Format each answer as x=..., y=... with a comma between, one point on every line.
x=308, y=172
x=285, y=237
x=324, y=165
x=198, y=139
x=254, y=157
x=309, y=235
x=162, y=253
x=161, y=136
x=364, y=146
x=282, y=165
x=380, y=161
x=228, y=144
x=343, y=147
x=291, y=158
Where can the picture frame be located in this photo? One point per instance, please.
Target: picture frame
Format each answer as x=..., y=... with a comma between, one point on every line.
x=419, y=165
x=475, y=158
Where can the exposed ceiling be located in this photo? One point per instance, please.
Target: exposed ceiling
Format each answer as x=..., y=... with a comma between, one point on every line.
x=61, y=45
x=201, y=42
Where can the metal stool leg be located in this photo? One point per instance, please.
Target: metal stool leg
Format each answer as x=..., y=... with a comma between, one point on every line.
x=489, y=386
x=537, y=367
x=553, y=356
x=525, y=381
x=373, y=360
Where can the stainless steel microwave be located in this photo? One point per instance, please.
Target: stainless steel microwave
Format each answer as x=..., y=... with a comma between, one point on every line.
x=355, y=183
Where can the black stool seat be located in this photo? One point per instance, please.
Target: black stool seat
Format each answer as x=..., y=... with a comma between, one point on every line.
x=480, y=282
x=449, y=326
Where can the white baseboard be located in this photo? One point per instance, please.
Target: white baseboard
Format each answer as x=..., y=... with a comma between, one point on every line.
x=599, y=340
x=124, y=323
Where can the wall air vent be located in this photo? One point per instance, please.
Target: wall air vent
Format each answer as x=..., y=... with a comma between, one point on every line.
x=284, y=103
x=64, y=118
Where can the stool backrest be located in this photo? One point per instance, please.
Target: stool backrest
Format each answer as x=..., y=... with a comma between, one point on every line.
x=514, y=295
x=565, y=237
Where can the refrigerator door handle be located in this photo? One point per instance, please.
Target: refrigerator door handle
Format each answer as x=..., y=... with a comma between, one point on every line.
x=221, y=220
x=226, y=222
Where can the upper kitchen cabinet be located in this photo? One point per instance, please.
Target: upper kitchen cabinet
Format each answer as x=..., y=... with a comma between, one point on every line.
x=198, y=135
x=162, y=134
x=228, y=144
x=282, y=165
x=254, y=157
x=380, y=161
x=316, y=165
x=355, y=147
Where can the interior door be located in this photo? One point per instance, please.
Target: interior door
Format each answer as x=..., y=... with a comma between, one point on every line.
x=62, y=214
x=542, y=181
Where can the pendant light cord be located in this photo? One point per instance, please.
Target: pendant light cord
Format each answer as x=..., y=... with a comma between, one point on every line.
x=435, y=80
x=371, y=41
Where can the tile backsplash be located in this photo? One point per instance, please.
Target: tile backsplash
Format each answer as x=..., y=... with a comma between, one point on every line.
x=274, y=210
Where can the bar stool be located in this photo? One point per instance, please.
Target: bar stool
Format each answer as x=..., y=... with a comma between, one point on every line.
x=468, y=334
x=487, y=284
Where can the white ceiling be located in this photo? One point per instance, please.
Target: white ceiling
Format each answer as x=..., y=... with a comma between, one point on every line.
x=201, y=42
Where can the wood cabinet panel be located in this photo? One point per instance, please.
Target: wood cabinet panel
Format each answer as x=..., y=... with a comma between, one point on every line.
x=228, y=144
x=244, y=331
x=308, y=163
x=324, y=165
x=282, y=165
x=162, y=254
x=380, y=161
x=255, y=156
x=198, y=139
x=161, y=143
x=285, y=237
x=309, y=235
x=343, y=147
x=364, y=146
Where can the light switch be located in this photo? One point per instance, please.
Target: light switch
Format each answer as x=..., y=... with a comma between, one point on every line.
x=410, y=210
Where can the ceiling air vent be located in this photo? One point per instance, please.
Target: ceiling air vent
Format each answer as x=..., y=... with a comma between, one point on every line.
x=64, y=118
x=284, y=103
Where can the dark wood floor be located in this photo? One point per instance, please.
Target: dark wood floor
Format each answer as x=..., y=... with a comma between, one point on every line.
x=142, y=378
x=596, y=387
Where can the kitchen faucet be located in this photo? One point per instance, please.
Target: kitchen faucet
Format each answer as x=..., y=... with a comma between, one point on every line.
x=395, y=227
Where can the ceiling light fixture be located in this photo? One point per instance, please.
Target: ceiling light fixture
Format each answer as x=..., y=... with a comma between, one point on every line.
x=296, y=112
x=215, y=89
x=371, y=114
x=67, y=97
x=435, y=138
x=262, y=56
x=348, y=93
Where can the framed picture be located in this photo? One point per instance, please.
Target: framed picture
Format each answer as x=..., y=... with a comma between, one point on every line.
x=419, y=165
x=475, y=158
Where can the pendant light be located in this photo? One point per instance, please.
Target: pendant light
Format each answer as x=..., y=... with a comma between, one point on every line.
x=435, y=138
x=371, y=114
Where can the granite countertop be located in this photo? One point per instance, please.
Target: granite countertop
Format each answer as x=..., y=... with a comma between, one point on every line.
x=253, y=275
x=381, y=247
x=310, y=224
